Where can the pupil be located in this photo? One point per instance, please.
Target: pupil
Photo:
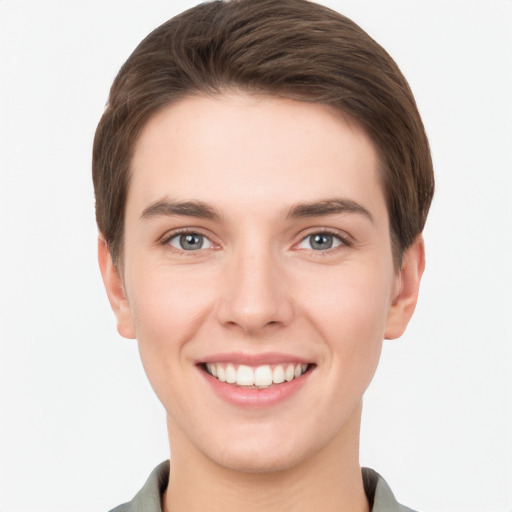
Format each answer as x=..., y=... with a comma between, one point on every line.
x=189, y=242
x=321, y=241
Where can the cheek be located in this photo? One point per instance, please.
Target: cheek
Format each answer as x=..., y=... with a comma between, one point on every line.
x=168, y=308
x=352, y=299
x=351, y=313
x=167, y=305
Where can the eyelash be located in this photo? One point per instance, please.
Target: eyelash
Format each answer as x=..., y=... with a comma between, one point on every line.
x=166, y=241
x=344, y=241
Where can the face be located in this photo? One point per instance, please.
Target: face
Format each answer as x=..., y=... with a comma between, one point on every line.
x=257, y=276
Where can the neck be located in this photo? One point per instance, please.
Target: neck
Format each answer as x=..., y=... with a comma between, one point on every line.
x=330, y=480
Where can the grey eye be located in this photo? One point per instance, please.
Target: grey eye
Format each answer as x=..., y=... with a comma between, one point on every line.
x=320, y=242
x=190, y=242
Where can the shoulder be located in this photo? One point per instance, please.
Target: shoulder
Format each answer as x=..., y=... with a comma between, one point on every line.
x=379, y=493
x=149, y=498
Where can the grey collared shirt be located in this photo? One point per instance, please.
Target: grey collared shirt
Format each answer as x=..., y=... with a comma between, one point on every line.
x=149, y=498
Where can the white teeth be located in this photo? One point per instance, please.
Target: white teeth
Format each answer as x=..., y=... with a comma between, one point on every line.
x=212, y=369
x=244, y=376
x=260, y=376
x=263, y=376
x=278, y=374
x=230, y=374
x=289, y=374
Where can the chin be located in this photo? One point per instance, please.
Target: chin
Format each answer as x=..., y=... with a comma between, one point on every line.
x=261, y=455
x=259, y=462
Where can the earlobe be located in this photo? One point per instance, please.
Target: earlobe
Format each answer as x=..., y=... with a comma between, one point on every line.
x=405, y=296
x=115, y=291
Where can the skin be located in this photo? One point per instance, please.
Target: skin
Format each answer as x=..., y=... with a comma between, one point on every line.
x=256, y=286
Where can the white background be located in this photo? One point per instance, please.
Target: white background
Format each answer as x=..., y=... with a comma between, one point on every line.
x=80, y=428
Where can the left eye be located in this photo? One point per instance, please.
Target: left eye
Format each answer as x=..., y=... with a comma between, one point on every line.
x=190, y=242
x=320, y=242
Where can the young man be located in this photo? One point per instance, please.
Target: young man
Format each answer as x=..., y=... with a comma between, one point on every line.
x=262, y=179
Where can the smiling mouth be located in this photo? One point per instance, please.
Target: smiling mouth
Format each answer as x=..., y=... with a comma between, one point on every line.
x=260, y=377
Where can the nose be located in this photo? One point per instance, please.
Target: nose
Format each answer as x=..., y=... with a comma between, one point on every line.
x=255, y=294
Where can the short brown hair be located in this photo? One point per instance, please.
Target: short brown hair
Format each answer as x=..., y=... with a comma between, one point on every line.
x=290, y=48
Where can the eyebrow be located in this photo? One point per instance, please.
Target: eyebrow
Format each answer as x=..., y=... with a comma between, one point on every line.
x=168, y=208
x=327, y=207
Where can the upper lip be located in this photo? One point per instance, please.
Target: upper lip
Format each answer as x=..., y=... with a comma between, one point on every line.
x=253, y=359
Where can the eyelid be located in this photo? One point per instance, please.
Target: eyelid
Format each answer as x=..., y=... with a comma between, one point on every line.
x=345, y=239
x=169, y=235
x=178, y=238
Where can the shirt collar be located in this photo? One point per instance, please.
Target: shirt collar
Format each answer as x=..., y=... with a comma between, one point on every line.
x=149, y=498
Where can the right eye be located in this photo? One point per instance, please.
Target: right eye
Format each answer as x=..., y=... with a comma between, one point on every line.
x=190, y=242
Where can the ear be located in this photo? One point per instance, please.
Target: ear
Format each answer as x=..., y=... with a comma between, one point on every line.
x=115, y=291
x=405, y=294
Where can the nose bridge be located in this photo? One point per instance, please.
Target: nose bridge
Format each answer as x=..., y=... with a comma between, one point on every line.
x=256, y=293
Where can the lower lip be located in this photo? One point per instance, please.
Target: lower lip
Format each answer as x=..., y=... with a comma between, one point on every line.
x=254, y=397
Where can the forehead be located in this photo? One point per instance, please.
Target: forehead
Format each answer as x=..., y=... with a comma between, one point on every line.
x=240, y=150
